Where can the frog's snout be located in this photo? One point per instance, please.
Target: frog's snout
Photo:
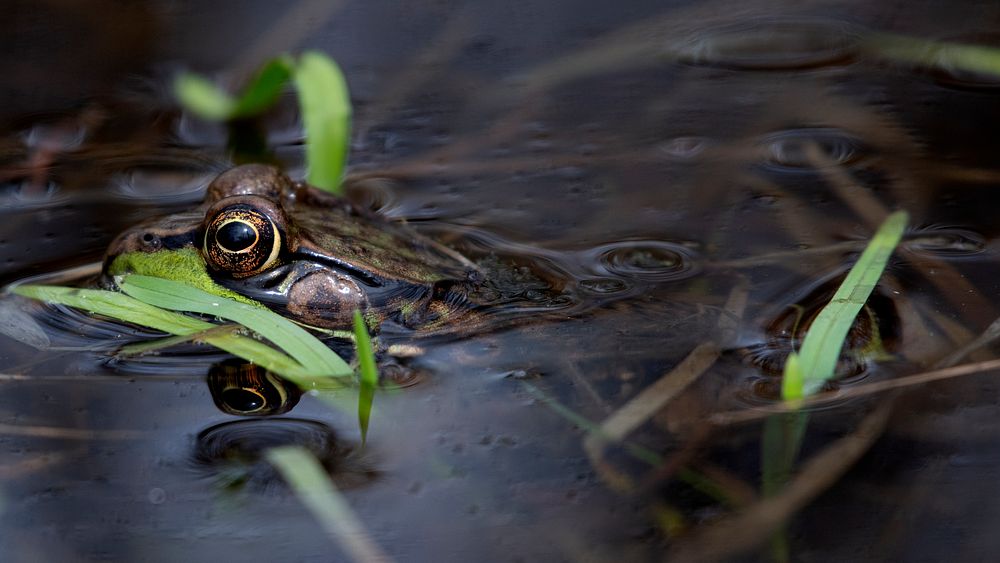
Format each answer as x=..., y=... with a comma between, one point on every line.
x=136, y=239
x=142, y=240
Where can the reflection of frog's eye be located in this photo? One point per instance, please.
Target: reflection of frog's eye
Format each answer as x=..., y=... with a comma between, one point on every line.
x=248, y=390
x=242, y=241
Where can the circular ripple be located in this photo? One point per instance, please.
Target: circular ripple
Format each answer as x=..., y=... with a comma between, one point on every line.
x=945, y=242
x=791, y=149
x=376, y=194
x=644, y=260
x=234, y=452
x=775, y=44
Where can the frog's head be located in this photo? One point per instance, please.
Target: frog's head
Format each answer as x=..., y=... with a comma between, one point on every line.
x=311, y=255
x=240, y=243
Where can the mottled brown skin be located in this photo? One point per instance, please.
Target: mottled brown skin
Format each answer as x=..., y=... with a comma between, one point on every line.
x=327, y=259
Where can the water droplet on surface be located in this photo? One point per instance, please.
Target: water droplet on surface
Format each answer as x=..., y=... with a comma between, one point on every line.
x=156, y=495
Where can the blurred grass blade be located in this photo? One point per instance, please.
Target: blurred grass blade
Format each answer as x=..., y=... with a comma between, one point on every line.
x=935, y=54
x=368, y=372
x=325, y=104
x=314, y=489
x=122, y=307
x=208, y=101
x=823, y=342
x=305, y=348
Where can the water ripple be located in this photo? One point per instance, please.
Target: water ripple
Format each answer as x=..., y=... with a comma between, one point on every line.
x=648, y=260
x=774, y=44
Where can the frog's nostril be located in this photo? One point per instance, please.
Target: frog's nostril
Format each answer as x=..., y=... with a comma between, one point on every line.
x=150, y=241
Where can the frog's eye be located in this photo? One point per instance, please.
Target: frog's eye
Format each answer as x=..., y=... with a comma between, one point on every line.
x=242, y=241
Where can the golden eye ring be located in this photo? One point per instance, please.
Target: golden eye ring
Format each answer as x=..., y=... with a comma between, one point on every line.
x=241, y=241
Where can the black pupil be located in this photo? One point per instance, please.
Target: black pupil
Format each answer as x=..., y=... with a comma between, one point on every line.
x=242, y=400
x=235, y=236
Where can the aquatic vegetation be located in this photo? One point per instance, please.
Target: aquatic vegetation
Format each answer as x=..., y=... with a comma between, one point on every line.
x=324, y=101
x=314, y=489
x=304, y=356
x=814, y=364
x=367, y=373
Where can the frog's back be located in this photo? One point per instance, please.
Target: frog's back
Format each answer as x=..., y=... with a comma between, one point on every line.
x=375, y=247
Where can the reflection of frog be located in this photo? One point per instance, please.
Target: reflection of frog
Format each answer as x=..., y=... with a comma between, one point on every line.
x=310, y=255
x=244, y=389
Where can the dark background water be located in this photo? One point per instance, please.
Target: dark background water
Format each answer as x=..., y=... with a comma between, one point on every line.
x=666, y=156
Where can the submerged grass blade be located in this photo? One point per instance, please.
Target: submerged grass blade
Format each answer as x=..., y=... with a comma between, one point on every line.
x=314, y=489
x=122, y=307
x=205, y=99
x=696, y=480
x=822, y=344
x=314, y=356
x=368, y=373
x=325, y=105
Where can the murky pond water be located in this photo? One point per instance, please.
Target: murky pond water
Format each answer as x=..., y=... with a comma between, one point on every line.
x=690, y=180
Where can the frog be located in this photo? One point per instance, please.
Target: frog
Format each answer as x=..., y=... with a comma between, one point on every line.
x=312, y=256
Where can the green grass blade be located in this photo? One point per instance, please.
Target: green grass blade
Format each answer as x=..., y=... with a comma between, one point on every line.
x=935, y=54
x=368, y=371
x=206, y=100
x=822, y=344
x=122, y=307
x=293, y=339
x=325, y=105
x=313, y=487
x=115, y=305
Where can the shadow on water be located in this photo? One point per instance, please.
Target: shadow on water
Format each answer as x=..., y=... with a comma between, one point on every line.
x=664, y=195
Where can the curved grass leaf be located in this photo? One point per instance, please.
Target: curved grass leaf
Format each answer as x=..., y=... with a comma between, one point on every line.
x=822, y=344
x=205, y=99
x=325, y=104
x=122, y=307
x=368, y=373
x=314, y=356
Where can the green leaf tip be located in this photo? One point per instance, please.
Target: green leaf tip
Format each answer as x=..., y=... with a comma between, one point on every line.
x=368, y=373
x=325, y=103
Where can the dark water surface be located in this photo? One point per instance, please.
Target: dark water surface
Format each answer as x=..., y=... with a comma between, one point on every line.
x=691, y=175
